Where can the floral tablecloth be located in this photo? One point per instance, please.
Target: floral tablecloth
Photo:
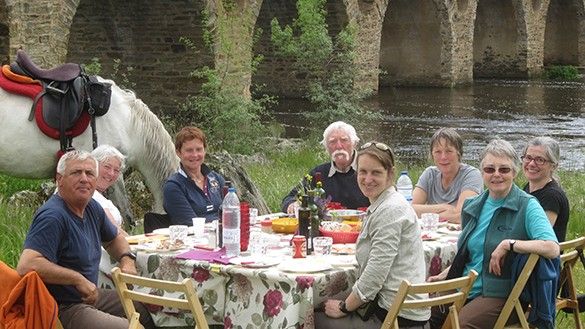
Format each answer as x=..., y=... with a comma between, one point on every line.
x=240, y=297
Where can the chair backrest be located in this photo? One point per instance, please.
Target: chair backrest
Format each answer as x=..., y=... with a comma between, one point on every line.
x=567, y=299
x=513, y=301
x=440, y=293
x=190, y=301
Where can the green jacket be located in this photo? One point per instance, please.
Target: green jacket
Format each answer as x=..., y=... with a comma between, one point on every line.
x=508, y=222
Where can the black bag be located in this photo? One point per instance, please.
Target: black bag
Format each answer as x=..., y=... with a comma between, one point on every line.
x=100, y=94
x=580, y=297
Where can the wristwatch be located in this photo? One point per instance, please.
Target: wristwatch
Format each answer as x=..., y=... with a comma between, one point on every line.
x=512, y=243
x=128, y=254
x=342, y=307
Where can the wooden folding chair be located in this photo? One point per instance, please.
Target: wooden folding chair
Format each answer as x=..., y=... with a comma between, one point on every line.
x=440, y=293
x=189, y=302
x=569, y=258
x=513, y=301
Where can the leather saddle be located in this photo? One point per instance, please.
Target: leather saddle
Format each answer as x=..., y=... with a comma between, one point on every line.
x=67, y=94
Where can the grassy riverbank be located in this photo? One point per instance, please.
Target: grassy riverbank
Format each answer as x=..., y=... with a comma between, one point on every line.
x=274, y=179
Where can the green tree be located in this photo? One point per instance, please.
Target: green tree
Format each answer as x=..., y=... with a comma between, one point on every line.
x=328, y=64
x=233, y=121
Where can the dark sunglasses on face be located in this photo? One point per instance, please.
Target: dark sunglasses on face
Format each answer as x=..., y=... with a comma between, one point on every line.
x=501, y=170
x=538, y=160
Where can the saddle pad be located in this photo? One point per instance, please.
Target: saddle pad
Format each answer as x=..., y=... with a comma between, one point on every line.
x=31, y=90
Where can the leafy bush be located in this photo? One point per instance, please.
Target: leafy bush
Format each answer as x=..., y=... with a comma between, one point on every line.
x=327, y=64
x=561, y=72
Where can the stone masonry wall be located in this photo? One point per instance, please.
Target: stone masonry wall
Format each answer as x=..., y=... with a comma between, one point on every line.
x=438, y=42
x=146, y=38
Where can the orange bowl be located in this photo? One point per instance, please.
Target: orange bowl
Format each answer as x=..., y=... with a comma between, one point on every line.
x=341, y=237
x=287, y=225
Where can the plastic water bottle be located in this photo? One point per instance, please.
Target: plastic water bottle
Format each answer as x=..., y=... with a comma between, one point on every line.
x=404, y=185
x=231, y=223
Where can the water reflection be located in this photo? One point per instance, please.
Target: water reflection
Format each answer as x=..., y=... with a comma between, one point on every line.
x=512, y=110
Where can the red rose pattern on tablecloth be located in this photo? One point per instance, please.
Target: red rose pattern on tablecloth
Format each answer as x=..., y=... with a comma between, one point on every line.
x=336, y=284
x=200, y=275
x=227, y=322
x=273, y=302
x=243, y=287
x=304, y=282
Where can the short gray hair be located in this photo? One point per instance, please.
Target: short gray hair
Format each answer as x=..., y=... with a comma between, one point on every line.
x=501, y=148
x=78, y=155
x=349, y=130
x=104, y=152
x=551, y=148
x=451, y=136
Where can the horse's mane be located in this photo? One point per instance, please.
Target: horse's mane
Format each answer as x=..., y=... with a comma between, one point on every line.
x=154, y=139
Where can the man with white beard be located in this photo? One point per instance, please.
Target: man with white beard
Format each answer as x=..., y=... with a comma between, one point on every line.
x=339, y=175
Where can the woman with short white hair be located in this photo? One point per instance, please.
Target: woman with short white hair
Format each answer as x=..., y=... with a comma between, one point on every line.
x=111, y=164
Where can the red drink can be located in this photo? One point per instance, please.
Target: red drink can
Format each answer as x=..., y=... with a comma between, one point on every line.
x=299, y=245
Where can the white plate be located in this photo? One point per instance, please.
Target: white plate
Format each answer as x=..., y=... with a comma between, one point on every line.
x=343, y=248
x=447, y=231
x=255, y=262
x=304, y=265
x=166, y=231
x=341, y=260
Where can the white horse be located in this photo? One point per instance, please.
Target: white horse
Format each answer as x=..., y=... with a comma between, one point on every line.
x=129, y=126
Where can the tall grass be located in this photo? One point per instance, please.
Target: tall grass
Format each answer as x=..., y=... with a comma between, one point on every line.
x=14, y=223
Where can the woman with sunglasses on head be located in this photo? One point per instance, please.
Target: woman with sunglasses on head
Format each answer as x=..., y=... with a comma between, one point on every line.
x=442, y=188
x=540, y=159
x=498, y=224
x=389, y=249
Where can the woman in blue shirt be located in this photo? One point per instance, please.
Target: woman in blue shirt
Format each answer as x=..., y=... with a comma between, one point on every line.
x=194, y=190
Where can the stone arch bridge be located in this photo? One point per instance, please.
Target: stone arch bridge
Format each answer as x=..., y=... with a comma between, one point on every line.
x=416, y=42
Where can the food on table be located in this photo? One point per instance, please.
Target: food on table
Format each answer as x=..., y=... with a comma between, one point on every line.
x=340, y=215
x=285, y=225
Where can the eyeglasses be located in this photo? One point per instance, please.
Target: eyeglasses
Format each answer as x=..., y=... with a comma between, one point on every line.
x=538, y=160
x=501, y=170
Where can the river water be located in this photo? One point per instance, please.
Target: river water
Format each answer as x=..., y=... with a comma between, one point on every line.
x=513, y=110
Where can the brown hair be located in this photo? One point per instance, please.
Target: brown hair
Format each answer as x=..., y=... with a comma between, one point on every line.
x=451, y=137
x=187, y=134
x=379, y=151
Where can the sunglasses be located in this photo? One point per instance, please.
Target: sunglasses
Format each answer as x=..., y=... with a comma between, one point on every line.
x=538, y=160
x=379, y=146
x=501, y=170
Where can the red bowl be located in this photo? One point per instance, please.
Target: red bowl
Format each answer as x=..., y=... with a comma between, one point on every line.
x=340, y=237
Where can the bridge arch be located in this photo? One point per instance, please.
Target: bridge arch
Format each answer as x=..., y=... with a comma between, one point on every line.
x=564, y=43
x=499, y=39
x=416, y=42
x=275, y=74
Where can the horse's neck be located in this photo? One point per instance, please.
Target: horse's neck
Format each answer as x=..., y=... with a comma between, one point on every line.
x=153, y=152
